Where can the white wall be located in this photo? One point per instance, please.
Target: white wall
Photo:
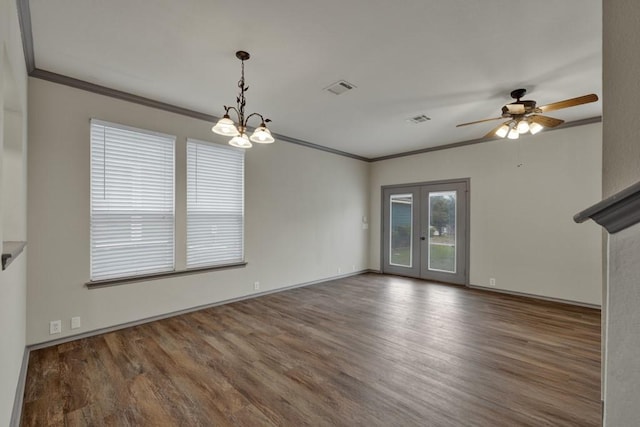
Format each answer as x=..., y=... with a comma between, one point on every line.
x=621, y=89
x=623, y=330
x=13, y=283
x=621, y=168
x=522, y=232
x=303, y=214
x=14, y=184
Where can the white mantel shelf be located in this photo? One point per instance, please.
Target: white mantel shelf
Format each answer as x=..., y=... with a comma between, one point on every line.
x=10, y=250
x=615, y=213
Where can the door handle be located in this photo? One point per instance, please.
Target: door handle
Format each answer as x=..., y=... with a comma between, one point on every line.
x=423, y=238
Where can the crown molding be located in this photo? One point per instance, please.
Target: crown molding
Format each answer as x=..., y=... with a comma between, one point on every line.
x=24, y=19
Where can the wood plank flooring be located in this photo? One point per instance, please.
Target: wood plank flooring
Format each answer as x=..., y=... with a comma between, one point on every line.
x=370, y=350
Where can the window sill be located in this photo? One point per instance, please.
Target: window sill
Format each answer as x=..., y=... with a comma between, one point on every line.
x=95, y=284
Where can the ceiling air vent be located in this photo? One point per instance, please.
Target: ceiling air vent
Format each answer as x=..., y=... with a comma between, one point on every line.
x=340, y=87
x=419, y=119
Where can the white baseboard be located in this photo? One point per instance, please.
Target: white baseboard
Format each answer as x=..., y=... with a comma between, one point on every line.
x=534, y=296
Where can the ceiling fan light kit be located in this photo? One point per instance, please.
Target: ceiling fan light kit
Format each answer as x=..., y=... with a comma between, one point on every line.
x=535, y=128
x=237, y=130
x=525, y=117
x=503, y=131
x=523, y=126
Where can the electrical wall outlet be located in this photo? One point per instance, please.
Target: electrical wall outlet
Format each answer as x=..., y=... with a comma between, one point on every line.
x=55, y=327
x=256, y=286
x=492, y=281
x=75, y=322
x=353, y=268
x=339, y=270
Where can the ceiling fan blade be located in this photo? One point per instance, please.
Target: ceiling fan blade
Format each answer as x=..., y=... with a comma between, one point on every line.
x=515, y=108
x=492, y=132
x=568, y=103
x=548, y=122
x=479, y=121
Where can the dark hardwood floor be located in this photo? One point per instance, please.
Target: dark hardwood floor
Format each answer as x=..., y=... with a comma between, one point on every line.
x=370, y=350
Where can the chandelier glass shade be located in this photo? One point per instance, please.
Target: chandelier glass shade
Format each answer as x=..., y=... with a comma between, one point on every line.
x=240, y=141
x=225, y=126
x=237, y=130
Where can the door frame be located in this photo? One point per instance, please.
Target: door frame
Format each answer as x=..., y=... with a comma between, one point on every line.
x=412, y=186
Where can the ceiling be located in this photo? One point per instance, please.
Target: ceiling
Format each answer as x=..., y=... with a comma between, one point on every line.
x=454, y=61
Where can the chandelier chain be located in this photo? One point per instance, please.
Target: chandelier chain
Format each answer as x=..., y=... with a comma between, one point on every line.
x=241, y=100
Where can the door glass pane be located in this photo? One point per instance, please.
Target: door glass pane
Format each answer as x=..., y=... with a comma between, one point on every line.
x=442, y=231
x=401, y=229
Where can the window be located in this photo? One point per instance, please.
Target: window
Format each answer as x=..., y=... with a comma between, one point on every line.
x=132, y=201
x=215, y=204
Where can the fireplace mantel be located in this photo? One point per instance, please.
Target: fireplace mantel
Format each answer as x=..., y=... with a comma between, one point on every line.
x=615, y=213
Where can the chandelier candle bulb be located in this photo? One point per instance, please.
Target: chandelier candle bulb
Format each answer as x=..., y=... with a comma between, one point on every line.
x=227, y=127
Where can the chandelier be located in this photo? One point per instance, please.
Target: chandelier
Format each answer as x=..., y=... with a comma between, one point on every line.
x=237, y=131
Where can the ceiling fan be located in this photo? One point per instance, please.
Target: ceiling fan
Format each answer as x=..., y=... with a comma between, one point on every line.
x=524, y=116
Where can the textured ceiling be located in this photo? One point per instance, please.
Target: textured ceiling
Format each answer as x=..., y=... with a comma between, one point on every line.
x=454, y=61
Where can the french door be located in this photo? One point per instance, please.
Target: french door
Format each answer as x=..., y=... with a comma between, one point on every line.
x=425, y=229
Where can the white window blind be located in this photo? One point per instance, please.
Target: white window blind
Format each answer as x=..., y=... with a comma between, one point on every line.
x=215, y=204
x=132, y=201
